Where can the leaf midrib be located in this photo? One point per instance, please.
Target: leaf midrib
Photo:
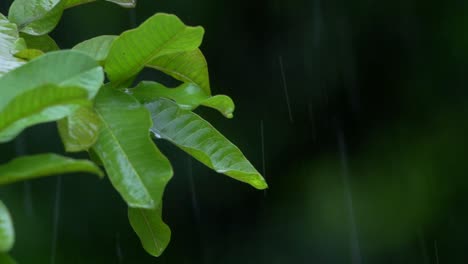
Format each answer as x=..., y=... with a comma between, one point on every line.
x=124, y=153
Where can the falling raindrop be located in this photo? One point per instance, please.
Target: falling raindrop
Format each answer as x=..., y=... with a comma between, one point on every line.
x=353, y=236
x=56, y=218
x=285, y=87
x=436, y=251
x=262, y=137
x=422, y=245
x=118, y=248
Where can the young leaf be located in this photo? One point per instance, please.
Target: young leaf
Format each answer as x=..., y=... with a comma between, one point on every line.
x=43, y=104
x=154, y=234
x=63, y=68
x=188, y=96
x=187, y=66
x=7, y=233
x=197, y=137
x=42, y=165
x=46, y=89
x=136, y=168
x=36, y=17
x=97, y=48
x=5, y=259
x=80, y=130
x=10, y=43
x=44, y=43
x=160, y=35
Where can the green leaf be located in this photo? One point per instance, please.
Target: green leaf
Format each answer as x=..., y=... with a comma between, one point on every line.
x=7, y=233
x=46, y=89
x=97, y=48
x=197, y=137
x=44, y=43
x=40, y=105
x=42, y=165
x=5, y=259
x=123, y=3
x=10, y=43
x=36, y=17
x=29, y=54
x=188, y=96
x=80, y=130
x=160, y=35
x=187, y=66
x=136, y=168
x=154, y=234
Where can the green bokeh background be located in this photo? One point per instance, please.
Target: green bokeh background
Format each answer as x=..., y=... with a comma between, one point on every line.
x=369, y=165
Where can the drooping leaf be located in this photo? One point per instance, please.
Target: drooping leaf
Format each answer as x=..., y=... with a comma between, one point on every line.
x=154, y=234
x=160, y=35
x=36, y=17
x=80, y=130
x=122, y=3
x=40, y=105
x=10, y=43
x=46, y=89
x=7, y=233
x=136, y=168
x=187, y=66
x=197, y=137
x=44, y=43
x=5, y=259
x=28, y=54
x=43, y=165
x=187, y=96
x=97, y=48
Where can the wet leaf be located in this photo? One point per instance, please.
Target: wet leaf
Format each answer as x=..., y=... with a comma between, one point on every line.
x=80, y=130
x=154, y=234
x=36, y=17
x=187, y=96
x=46, y=89
x=10, y=43
x=160, y=35
x=187, y=66
x=136, y=168
x=7, y=232
x=97, y=48
x=197, y=137
x=43, y=165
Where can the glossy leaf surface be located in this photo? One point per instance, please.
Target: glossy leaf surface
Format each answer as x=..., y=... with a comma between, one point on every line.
x=28, y=54
x=36, y=17
x=188, y=67
x=40, y=105
x=154, y=234
x=188, y=96
x=46, y=89
x=10, y=43
x=7, y=233
x=42, y=165
x=97, y=48
x=197, y=137
x=160, y=35
x=136, y=168
x=80, y=130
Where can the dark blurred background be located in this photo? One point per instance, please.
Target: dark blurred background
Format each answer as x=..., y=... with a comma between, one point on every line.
x=354, y=111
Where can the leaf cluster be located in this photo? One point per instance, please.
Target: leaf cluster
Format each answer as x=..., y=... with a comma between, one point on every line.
x=87, y=91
